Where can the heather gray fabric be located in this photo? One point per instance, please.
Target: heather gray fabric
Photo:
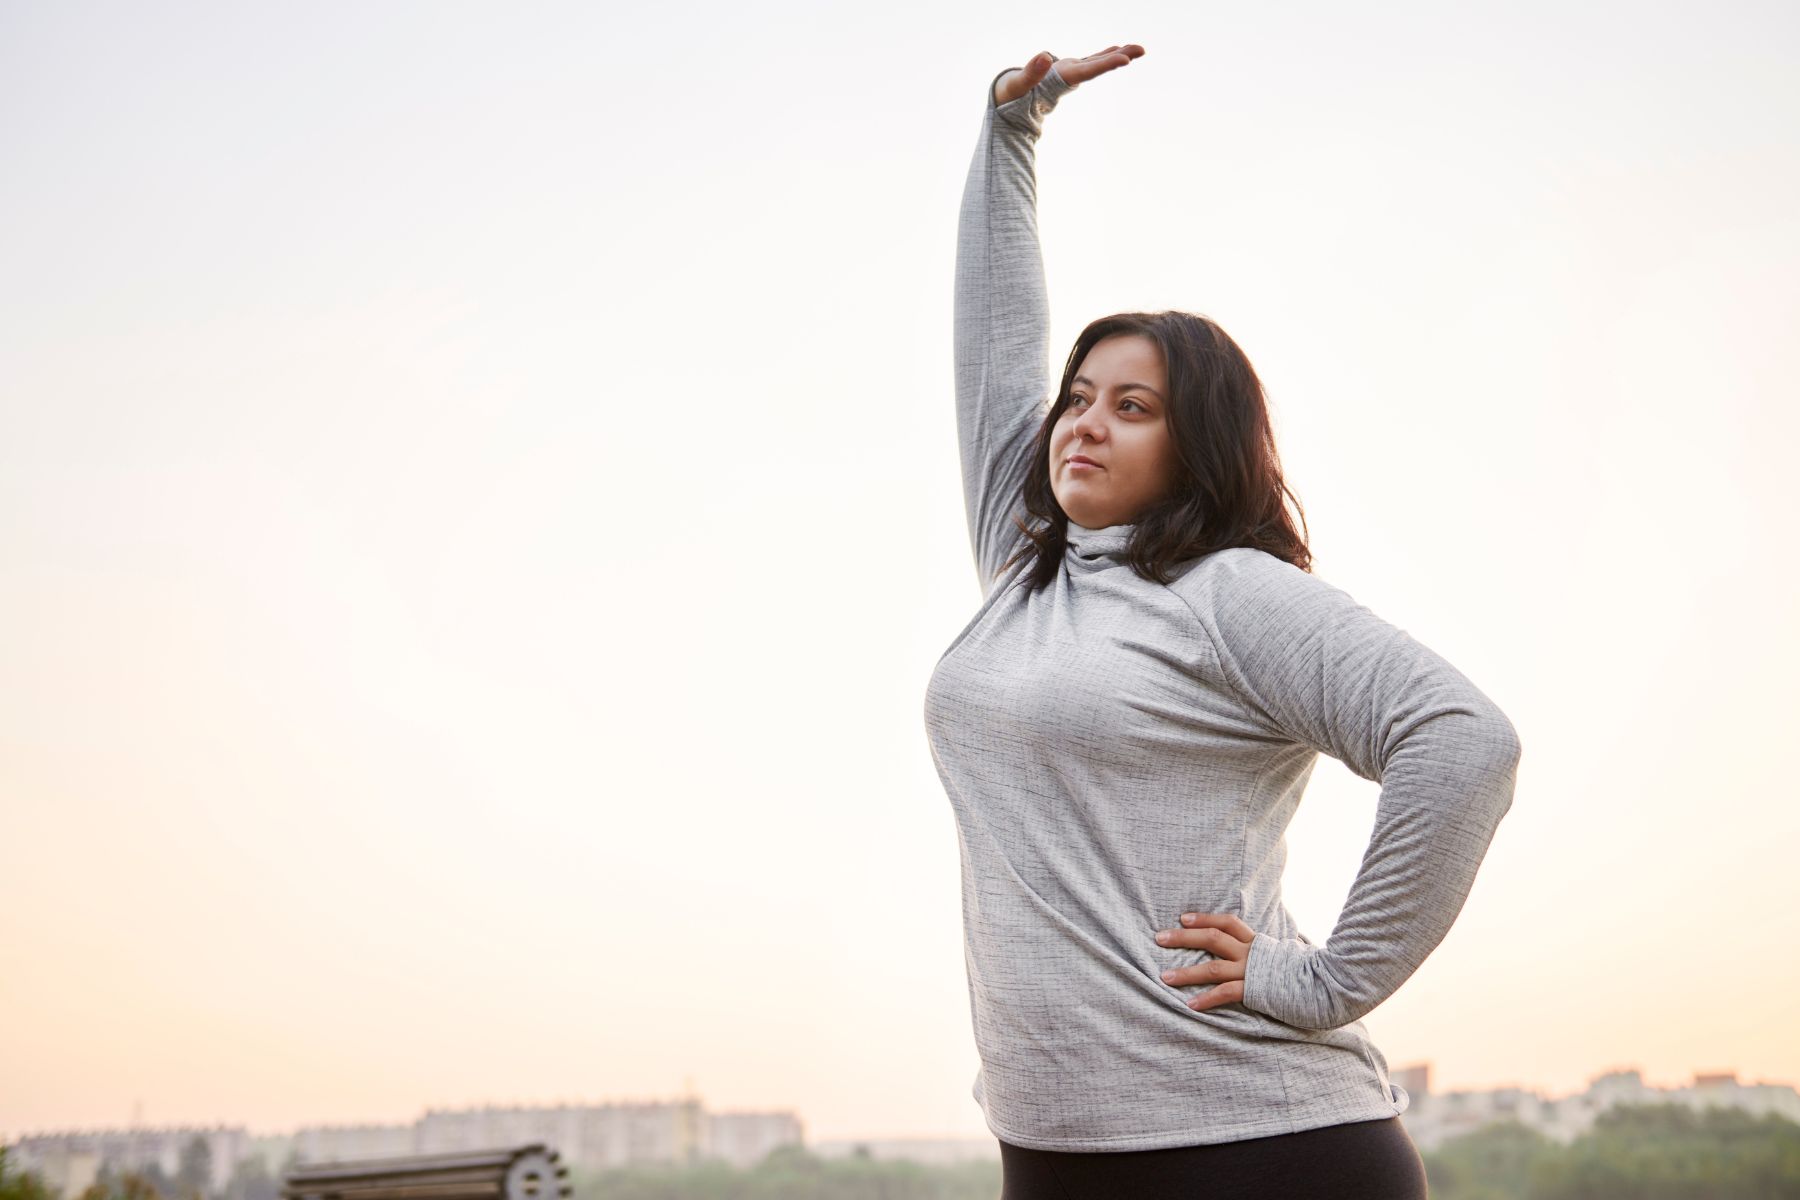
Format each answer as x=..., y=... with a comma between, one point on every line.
x=1118, y=752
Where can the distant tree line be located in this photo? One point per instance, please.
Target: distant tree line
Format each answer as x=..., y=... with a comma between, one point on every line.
x=20, y=1185
x=1637, y=1152
x=250, y=1180
x=1633, y=1152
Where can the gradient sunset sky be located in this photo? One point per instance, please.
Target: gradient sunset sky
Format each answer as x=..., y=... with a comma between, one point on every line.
x=479, y=509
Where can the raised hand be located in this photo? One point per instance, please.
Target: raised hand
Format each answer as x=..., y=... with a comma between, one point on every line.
x=1020, y=80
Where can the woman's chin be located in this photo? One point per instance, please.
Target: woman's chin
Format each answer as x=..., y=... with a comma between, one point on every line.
x=1080, y=513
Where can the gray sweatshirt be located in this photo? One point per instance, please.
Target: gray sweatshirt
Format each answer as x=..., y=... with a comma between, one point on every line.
x=1118, y=752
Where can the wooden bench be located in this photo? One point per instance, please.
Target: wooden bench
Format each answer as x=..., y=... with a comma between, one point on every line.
x=528, y=1172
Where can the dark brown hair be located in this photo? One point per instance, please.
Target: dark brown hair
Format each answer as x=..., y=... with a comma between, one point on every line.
x=1229, y=490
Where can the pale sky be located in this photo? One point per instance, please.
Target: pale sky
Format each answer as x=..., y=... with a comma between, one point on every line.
x=479, y=509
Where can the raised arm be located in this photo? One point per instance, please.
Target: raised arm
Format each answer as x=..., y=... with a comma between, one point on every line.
x=1002, y=319
x=1002, y=316
x=1322, y=670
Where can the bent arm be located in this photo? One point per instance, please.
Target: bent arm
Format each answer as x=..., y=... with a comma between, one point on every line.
x=1328, y=673
x=1002, y=319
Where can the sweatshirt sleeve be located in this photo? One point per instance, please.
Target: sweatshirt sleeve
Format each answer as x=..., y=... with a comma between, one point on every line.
x=1316, y=667
x=1001, y=319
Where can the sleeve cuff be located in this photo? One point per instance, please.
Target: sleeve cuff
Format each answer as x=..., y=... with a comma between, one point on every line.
x=1027, y=112
x=1279, y=981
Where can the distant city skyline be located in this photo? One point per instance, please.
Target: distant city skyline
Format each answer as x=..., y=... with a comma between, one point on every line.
x=1407, y=1074
x=632, y=1133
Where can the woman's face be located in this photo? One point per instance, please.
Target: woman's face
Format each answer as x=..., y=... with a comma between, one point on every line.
x=1118, y=418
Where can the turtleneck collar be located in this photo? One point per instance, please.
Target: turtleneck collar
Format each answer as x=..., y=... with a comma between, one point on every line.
x=1098, y=547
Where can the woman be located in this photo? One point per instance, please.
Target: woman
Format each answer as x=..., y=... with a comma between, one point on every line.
x=1125, y=728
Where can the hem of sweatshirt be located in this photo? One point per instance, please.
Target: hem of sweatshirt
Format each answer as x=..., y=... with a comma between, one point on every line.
x=1174, y=1138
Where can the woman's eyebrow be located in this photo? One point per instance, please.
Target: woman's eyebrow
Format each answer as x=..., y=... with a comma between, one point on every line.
x=1123, y=387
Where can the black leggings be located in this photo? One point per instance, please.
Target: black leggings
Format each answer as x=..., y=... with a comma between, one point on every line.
x=1364, y=1160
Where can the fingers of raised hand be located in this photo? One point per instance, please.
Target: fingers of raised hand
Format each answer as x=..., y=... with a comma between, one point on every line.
x=1080, y=70
x=1128, y=51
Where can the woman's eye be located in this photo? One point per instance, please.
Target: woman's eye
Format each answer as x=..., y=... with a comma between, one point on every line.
x=1078, y=401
